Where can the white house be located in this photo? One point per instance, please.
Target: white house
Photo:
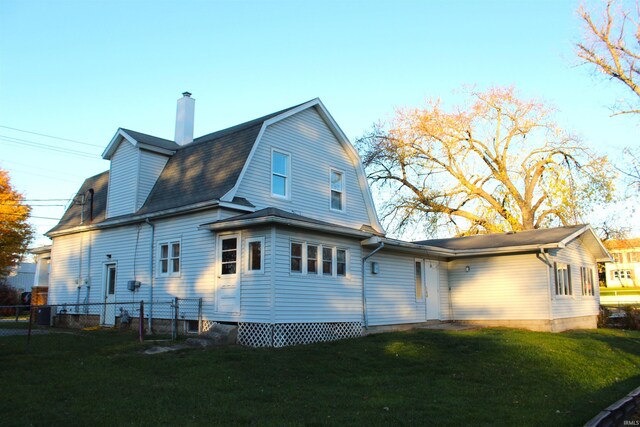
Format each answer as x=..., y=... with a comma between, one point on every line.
x=624, y=271
x=272, y=223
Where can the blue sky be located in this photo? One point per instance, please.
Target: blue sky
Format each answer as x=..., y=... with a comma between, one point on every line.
x=80, y=69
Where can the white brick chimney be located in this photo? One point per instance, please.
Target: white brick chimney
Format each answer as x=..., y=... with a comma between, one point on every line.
x=184, y=119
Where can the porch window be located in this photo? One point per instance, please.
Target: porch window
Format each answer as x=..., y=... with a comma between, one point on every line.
x=255, y=256
x=563, y=279
x=296, y=257
x=327, y=261
x=586, y=279
x=312, y=259
x=341, y=262
x=169, y=258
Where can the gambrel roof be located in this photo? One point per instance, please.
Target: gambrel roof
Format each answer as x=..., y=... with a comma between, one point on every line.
x=206, y=171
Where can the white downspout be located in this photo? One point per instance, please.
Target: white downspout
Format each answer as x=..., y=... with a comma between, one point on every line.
x=364, y=291
x=550, y=301
x=153, y=231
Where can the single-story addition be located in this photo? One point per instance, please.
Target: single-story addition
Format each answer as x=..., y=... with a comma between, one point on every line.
x=272, y=224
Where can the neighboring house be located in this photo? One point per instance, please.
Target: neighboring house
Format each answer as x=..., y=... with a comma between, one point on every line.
x=42, y=265
x=624, y=271
x=272, y=223
x=21, y=276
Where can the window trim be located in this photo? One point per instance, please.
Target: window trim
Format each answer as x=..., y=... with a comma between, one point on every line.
x=170, y=272
x=346, y=261
x=248, y=241
x=287, y=186
x=343, y=193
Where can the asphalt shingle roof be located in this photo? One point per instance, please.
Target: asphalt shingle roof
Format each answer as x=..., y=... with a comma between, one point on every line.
x=201, y=171
x=73, y=215
x=493, y=241
x=152, y=140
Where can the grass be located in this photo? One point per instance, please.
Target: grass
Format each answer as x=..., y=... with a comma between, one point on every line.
x=483, y=377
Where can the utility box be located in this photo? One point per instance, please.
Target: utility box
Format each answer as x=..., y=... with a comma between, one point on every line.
x=132, y=285
x=43, y=316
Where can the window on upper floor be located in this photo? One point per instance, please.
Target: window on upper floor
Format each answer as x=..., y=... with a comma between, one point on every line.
x=337, y=190
x=280, y=174
x=563, y=279
x=618, y=257
x=586, y=280
x=621, y=274
x=169, y=258
x=634, y=256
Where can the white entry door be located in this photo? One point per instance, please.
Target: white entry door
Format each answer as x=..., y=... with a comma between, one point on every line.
x=109, y=309
x=228, y=290
x=433, y=293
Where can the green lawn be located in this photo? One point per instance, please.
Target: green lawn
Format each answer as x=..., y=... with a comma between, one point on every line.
x=481, y=377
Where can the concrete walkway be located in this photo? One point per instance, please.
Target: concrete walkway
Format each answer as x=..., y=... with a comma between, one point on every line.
x=450, y=327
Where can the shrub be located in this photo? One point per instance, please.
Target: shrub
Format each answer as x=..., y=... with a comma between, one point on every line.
x=8, y=296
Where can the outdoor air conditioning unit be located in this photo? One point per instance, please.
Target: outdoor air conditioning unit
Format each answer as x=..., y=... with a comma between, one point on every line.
x=132, y=285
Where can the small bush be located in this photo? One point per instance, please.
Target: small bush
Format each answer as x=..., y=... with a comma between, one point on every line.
x=8, y=296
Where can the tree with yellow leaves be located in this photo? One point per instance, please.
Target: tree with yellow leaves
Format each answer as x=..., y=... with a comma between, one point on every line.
x=15, y=231
x=500, y=164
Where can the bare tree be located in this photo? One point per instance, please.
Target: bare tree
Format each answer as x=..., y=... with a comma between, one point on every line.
x=500, y=164
x=612, y=45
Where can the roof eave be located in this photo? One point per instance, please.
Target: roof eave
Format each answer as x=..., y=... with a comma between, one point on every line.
x=152, y=215
x=271, y=219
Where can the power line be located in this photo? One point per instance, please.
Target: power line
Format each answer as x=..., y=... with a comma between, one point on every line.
x=51, y=136
x=30, y=216
x=40, y=168
x=29, y=143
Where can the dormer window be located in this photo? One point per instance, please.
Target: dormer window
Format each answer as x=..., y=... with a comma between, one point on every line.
x=280, y=174
x=337, y=190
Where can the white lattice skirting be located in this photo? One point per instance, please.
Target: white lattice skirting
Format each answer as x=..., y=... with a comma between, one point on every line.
x=286, y=334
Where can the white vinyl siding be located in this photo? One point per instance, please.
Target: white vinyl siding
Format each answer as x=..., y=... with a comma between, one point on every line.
x=575, y=255
x=151, y=166
x=391, y=294
x=123, y=177
x=510, y=287
x=314, y=151
x=315, y=297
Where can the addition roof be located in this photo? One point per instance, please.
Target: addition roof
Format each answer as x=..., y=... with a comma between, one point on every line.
x=492, y=241
x=279, y=216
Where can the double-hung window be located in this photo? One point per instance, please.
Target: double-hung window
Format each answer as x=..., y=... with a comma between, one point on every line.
x=296, y=257
x=327, y=261
x=280, y=174
x=312, y=259
x=337, y=190
x=563, y=279
x=341, y=262
x=169, y=258
x=586, y=279
x=255, y=257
